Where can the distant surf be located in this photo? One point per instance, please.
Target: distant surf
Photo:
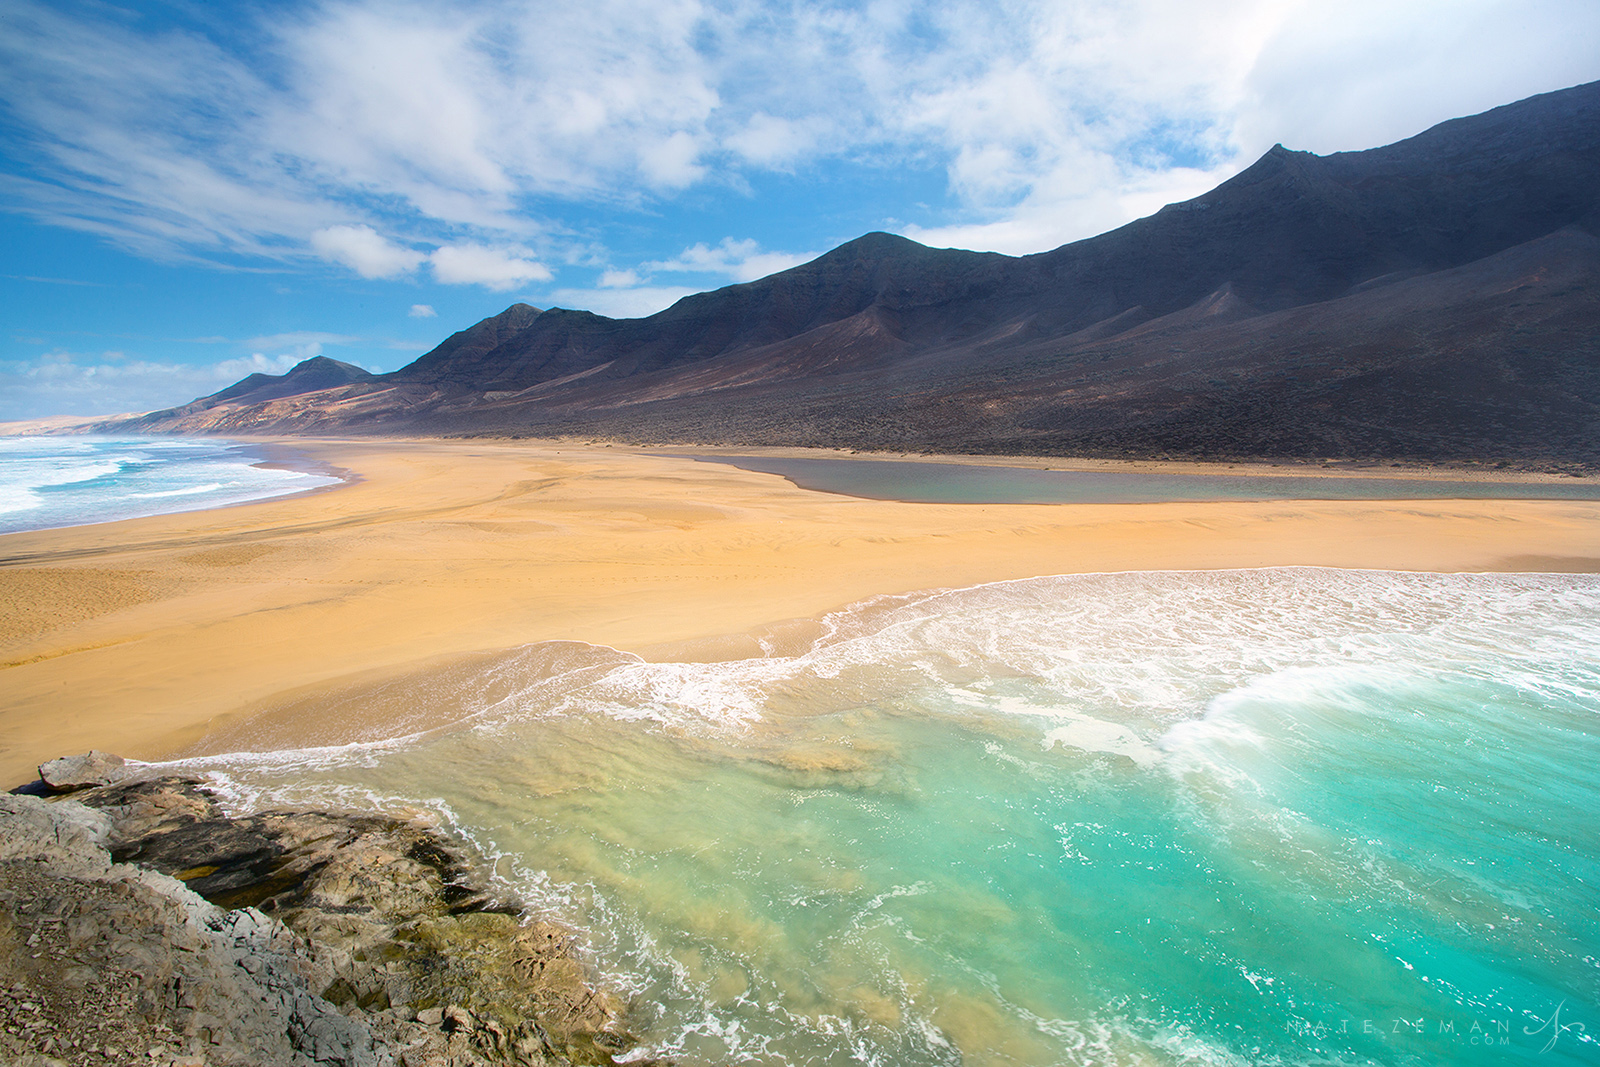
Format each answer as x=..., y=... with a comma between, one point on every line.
x=49, y=482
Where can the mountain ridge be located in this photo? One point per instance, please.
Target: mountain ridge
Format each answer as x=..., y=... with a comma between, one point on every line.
x=1258, y=319
x=309, y=375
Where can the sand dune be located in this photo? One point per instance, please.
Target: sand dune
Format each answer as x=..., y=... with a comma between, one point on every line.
x=150, y=635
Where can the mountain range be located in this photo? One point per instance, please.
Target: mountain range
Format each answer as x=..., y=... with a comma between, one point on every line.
x=1435, y=299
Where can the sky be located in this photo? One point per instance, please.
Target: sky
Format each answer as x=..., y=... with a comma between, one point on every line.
x=191, y=192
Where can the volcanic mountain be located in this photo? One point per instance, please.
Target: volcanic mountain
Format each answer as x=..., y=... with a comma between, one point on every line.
x=312, y=375
x=1436, y=299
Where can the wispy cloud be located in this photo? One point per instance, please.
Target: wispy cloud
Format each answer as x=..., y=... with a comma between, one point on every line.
x=422, y=311
x=65, y=382
x=231, y=370
x=740, y=260
x=381, y=135
x=634, y=291
x=138, y=137
x=51, y=281
x=619, y=279
x=276, y=353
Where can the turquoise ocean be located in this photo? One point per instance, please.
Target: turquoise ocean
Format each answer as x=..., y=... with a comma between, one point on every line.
x=47, y=482
x=1280, y=816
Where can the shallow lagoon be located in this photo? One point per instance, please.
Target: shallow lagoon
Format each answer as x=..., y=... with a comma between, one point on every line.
x=960, y=483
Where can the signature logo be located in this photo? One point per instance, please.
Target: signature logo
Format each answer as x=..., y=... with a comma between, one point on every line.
x=1554, y=1025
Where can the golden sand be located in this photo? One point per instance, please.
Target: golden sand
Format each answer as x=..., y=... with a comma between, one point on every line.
x=143, y=636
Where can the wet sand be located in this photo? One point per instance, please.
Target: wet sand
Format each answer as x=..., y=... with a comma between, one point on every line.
x=147, y=636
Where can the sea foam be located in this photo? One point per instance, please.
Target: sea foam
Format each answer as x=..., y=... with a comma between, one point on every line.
x=1199, y=817
x=48, y=482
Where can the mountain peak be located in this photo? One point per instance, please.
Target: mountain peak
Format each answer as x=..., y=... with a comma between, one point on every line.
x=307, y=376
x=474, y=341
x=875, y=245
x=325, y=365
x=1276, y=162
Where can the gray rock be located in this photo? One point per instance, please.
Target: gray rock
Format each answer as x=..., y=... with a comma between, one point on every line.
x=64, y=833
x=176, y=961
x=280, y=938
x=83, y=772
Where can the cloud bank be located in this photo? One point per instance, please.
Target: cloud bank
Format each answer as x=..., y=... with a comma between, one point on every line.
x=67, y=382
x=63, y=382
x=466, y=138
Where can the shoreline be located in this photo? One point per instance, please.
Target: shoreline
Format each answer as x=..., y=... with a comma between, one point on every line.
x=284, y=456
x=150, y=635
x=272, y=455
x=1468, y=470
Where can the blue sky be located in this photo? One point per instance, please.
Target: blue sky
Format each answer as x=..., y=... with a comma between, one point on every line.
x=194, y=191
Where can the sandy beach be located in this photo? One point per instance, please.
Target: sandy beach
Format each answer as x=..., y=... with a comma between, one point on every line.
x=148, y=636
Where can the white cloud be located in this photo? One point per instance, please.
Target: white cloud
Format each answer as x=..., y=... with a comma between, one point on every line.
x=422, y=311
x=622, y=303
x=300, y=340
x=1102, y=112
x=365, y=251
x=673, y=161
x=498, y=269
x=478, y=123
x=231, y=370
x=771, y=141
x=619, y=279
x=125, y=143
x=1046, y=218
x=741, y=260
x=1352, y=75
x=69, y=383
x=628, y=294
x=444, y=117
x=460, y=107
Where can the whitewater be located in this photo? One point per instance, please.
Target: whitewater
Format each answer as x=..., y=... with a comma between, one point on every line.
x=1274, y=816
x=49, y=482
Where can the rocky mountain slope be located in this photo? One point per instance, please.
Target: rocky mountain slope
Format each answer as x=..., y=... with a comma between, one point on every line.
x=1434, y=299
x=312, y=375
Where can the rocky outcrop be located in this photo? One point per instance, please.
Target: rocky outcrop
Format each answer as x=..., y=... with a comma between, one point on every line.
x=105, y=962
x=138, y=922
x=81, y=772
